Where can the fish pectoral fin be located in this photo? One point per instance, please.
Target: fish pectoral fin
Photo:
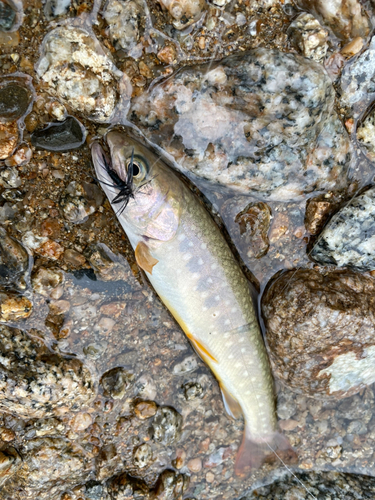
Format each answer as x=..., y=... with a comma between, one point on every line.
x=232, y=406
x=144, y=258
x=202, y=351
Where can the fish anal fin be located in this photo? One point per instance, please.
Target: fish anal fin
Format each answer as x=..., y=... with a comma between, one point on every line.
x=201, y=350
x=232, y=406
x=144, y=258
x=255, y=452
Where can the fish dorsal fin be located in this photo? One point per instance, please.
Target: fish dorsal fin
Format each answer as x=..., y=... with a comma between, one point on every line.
x=231, y=405
x=144, y=258
x=202, y=351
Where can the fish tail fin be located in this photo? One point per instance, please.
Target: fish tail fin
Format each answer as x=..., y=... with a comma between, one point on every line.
x=254, y=452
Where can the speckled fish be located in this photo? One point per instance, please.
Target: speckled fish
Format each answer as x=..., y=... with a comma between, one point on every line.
x=194, y=272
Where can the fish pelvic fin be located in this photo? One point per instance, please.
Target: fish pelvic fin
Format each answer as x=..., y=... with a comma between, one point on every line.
x=144, y=258
x=199, y=348
x=255, y=452
x=232, y=406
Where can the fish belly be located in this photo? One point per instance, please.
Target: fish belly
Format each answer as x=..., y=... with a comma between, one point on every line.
x=200, y=282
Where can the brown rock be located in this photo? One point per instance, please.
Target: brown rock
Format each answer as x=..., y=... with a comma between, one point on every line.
x=167, y=55
x=74, y=258
x=254, y=222
x=320, y=329
x=7, y=434
x=51, y=250
x=81, y=422
x=8, y=139
x=14, y=307
x=318, y=211
x=195, y=465
x=145, y=409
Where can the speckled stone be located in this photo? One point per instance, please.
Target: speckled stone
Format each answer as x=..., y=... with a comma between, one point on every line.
x=309, y=37
x=14, y=101
x=61, y=136
x=14, y=262
x=366, y=135
x=357, y=80
x=34, y=382
x=349, y=238
x=126, y=22
x=262, y=121
x=322, y=485
x=320, y=329
x=76, y=69
x=166, y=425
x=346, y=18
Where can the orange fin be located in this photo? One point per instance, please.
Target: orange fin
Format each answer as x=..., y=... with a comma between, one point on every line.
x=254, y=452
x=202, y=351
x=232, y=406
x=144, y=258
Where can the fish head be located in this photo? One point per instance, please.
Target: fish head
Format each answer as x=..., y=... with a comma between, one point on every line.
x=144, y=192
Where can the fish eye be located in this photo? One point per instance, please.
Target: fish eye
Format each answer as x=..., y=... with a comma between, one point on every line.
x=140, y=168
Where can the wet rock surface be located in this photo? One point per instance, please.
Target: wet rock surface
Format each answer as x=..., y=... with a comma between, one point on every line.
x=233, y=125
x=62, y=136
x=320, y=330
x=348, y=239
x=321, y=484
x=14, y=262
x=33, y=381
x=14, y=101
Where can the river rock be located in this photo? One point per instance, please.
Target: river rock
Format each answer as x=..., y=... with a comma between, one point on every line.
x=320, y=329
x=9, y=136
x=349, y=237
x=80, y=200
x=115, y=382
x=309, y=37
x=185, y=12
x=34, y=381
x=62, y=136
x=262, y=121
x=357, y=79
x=166, y=425
x=126, y=21
x=14, y=262
x=15, y=100
x=345, y=18
x=78, y=71
x=366, y=135
x=56, y=8
x=322, y=485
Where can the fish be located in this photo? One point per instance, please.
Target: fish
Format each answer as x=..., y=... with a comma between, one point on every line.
x=193, y=270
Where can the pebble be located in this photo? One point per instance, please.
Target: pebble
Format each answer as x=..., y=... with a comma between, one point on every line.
x=10, y=462
x=80, y=200
x=357, y=86
x=184, y=12
x=56, y=8
x=366, y=135
x=77, y=71
x=318, y=210
x=7, y=16
x=7, y=435
x=319, y=331
x=15, y=100
x=14, y=262
x=30, y=368
x=166, y=425
x=345, y=18
x=232, y=137
x=142, y=456
x=62, y=136
x=193, y=390
x=9, y=136
x=46, y=281
x=81, y=422
x=145, y=409
x=254, y=223
x=194, y=465
x=348, y=238
x=309, y=37
x=14, y=307
x=189, y=364
x=106, y=265
x=126, y=22
x=115, y=382
x=22, y=156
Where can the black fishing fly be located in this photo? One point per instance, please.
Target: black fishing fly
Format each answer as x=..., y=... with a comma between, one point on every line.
x=125, y=187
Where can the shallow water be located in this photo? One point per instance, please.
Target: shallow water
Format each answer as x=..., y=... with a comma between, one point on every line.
x=106, y=315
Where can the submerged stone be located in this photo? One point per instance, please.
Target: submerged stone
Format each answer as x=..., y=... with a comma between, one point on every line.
x=309, y=37
x=14, y=262
x=254, y=223
x=366, y=135
x=61, y=136
x=349, y=238
x=166, y=425
x=320, y=329
x=14, y=101
x=263, y=121
x=34, y=381
x=184, y=12
x=7, y=16
x=56, y=8
x=78, y=71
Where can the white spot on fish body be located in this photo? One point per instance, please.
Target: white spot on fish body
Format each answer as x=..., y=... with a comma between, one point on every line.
x=228, y=344
x=186, y=256
x=243, y=349
x=204, y=295
x=231, y=356
x=248, y=392
x=209, y=280
x=245, y=374
x=200, y=262
x=181, y=237
x=226, y=335
x=191, y=244
x=204, y=308
x=237, y=365
x=233, y=310
x=217, y=297
x=203, y=246
x=213, y=266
